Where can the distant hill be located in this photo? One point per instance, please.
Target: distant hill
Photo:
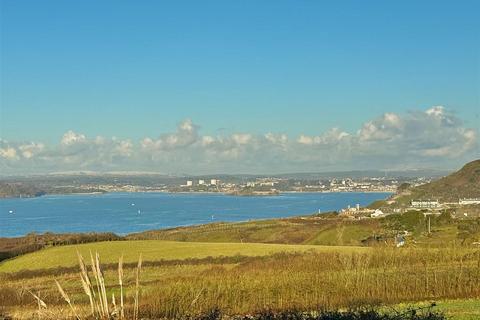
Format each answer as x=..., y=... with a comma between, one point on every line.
x=465, y=183
x=18, y=190
x=28, y=190
x=414, y=173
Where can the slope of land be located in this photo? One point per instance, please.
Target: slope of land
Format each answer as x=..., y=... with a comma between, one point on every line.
x=332, y=279
x=464, y=183
x=332, y=230
x=29, y=189
x=325, y=229
x=11, y=247
x=65, y=256
x=312, y=230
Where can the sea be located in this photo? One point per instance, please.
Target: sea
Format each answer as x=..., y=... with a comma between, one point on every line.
x=124, y=213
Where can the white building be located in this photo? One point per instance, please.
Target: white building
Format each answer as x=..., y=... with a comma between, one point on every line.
x=267, y=183
x=377, y=213
x=425, y=204
x=189, y=183
x=201, y=182
x=213, y=182
x=469, y=201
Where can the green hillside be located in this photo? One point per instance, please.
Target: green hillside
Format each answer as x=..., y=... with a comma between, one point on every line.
x=151, y=250
x=311, y=230
x=465, y=183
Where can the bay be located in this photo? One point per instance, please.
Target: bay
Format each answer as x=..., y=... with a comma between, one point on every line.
x=124, y=213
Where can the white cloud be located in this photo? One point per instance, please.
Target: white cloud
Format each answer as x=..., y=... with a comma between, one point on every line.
x=437, y=111
x=8, y=153
x=124, y=148
x=280, y=139
x=305, y=140
x=31, y=149
x=241, y=138
x=186, y=134
x=332, y=136
x=70, y=138
x=388, y=127
x=434, y=137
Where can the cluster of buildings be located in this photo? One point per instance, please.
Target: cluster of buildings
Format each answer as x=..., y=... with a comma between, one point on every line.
x=216, y=185
x=364, y=185
x=295, y=185
x=127, y=187
x=264, y=182
x=429, y=206
x=350, y=185
x=425, y=204
x=435, y=204
x=359, y=212
x=469, y=201
x=202, y=182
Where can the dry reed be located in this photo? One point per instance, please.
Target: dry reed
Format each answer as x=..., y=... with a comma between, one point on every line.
x=67, y=299
x=137, y=287
x=120, y=283
x=97, y=296
x=41, y=304
x=330, y=280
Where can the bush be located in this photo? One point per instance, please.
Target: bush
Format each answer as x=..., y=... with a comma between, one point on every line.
x=411, y=314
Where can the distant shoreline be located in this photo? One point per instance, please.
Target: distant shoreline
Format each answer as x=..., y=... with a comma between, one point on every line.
x=53, y=194
x=190, y=192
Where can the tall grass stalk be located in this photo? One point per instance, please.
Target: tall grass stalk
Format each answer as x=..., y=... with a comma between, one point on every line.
x=120, y=282
x=137, y=287
x=114, y=304
x=99, y=307
x=40, y=302
x=102, y=285
x=67, y=299
x=87, y=284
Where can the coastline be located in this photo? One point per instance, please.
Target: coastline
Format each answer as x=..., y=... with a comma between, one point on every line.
x=233, y=194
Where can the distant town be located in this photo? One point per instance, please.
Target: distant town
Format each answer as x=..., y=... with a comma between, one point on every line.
x=241, y=185
x=261, y=185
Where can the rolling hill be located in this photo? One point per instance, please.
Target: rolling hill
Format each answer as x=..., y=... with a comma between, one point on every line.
x=464, y=183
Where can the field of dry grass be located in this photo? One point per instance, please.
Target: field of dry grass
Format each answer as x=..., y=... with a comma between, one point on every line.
x=317, y=230
x=240, y=284
x=152, y=250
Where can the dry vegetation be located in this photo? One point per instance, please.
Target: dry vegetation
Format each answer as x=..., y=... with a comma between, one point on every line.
x=12, y=247
x=241, y=285
x=316, y=229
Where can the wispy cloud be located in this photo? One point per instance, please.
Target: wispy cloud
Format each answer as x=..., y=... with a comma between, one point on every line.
x=433, y=138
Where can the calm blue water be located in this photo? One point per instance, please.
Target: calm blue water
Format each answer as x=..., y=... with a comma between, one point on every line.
x=119, y=212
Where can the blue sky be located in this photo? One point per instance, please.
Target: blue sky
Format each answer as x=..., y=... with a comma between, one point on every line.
x=136, y=69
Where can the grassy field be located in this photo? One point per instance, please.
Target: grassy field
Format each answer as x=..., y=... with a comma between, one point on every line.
x=466, y=309
x=195, y=269
x=181, y=278
x=330, y=230
x=151, y=250
x=304, y=230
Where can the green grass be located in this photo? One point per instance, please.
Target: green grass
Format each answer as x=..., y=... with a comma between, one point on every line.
x=466, y=309
x=342, y=234
x=306, y=230
x=439, y=236
x=330, y=277
x=151, y=250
